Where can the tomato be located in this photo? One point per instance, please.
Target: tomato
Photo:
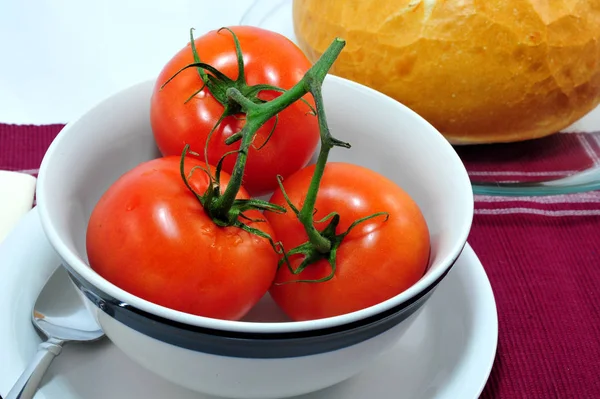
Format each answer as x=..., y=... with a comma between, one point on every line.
x=269, y=58
x=377, y=260
x=150, y=236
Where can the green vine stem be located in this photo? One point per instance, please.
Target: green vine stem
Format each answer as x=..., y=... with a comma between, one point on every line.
x=306, y=214
x=236, y=96
x=325, y=243
x=258, y=114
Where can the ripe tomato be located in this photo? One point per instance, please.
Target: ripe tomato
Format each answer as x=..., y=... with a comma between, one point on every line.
x=150, y=236
x=376, y=261
x=269, y=58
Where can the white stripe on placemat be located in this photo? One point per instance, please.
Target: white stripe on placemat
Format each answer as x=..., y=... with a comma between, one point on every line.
x=575, y=131
x=30, y=171
x=516, y=173
x=579, y=198
x=541, y=212
x=588, y=149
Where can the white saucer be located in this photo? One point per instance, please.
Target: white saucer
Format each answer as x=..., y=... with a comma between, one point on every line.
x=447, y=354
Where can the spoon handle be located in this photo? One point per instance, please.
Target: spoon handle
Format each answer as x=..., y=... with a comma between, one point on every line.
x=27, y=385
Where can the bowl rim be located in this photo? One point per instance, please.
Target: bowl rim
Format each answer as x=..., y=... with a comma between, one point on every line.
x=253, y=345
x=86, y=272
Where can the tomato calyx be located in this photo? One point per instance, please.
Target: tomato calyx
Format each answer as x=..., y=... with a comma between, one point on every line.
x=312, y=253
x=321, y=244
x=218, y=84
x=235, y=213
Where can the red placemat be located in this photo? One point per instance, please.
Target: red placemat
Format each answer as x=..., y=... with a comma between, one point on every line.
x=554, y=156
x=541, y=254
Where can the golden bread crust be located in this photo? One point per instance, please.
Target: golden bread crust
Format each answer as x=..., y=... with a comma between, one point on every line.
x=480, y=71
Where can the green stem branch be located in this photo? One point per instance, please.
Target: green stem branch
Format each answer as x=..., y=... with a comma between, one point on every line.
x=257, y=114
x=306, y=215
x=223, y=205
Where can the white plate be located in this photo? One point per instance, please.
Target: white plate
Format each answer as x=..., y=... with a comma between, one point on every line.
x=447, y=354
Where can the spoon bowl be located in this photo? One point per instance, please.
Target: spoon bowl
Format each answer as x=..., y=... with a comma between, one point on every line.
x=61, y=316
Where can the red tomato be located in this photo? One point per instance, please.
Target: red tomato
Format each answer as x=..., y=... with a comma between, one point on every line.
x=269, y=58
x=150, y=236
x=378, y=259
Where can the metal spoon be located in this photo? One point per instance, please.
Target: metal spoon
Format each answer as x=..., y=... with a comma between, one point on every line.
x=60, y=314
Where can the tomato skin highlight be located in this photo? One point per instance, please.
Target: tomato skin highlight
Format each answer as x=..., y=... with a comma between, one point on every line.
x=269, y=58
x=378, y=259
x=150, y=236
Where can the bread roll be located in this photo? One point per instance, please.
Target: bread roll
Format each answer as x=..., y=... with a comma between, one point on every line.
x=481, y=71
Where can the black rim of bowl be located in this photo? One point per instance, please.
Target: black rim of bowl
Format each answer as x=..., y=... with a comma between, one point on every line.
x=250, y=344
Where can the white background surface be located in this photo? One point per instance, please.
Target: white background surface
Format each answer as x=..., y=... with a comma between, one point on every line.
x=60, y=57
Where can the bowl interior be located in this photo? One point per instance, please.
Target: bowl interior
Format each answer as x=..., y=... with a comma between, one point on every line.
x=115, y=136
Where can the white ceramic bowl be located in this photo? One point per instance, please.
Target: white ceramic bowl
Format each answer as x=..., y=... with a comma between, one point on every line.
x=246, y=359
